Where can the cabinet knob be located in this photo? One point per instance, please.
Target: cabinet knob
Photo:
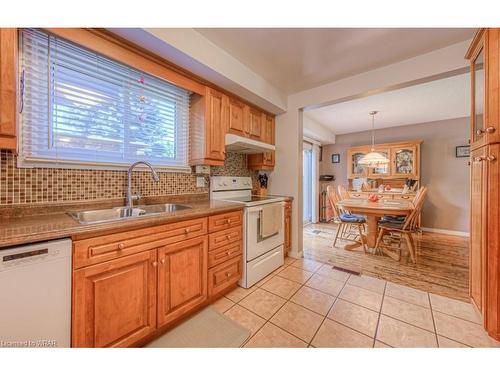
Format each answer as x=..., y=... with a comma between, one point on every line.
x=186, y=231
x=228, y=237
x=228, y=274
x=479, y=158
x=228, y=253
x=228, y=221
x=121, y=246
x=489, y=130
x=162, y=261
x=155, y=263
x=491, y=158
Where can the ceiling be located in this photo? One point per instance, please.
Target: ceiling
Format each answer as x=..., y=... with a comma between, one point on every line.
x=432, y=101
x=299, y=59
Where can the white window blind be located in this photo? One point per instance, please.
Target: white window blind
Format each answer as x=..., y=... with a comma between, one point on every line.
x=83, y=108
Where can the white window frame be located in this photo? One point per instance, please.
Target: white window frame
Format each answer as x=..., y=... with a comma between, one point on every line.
x=33, y=162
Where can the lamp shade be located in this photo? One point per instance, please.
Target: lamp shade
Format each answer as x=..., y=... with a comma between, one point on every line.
x=373, y=159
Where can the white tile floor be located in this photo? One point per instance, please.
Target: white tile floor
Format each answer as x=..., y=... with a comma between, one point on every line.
x=306, y=303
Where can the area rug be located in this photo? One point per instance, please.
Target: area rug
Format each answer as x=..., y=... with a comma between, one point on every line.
x=206, y=329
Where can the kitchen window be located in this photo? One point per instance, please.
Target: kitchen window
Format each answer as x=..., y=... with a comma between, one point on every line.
x=79, y=108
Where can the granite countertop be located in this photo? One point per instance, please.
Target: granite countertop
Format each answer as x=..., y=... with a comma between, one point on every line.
x=23, y=229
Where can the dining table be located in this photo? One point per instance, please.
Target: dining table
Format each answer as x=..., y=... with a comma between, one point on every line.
x=373, y=211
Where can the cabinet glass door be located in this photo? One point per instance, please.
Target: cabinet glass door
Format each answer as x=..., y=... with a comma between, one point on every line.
x=478, y=99
x=356, y=169
x=381, y=170
x=404, y=160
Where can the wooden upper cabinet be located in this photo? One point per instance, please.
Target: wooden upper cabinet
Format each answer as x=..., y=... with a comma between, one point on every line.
x=236, y=118
x=215, y=125
x=208, y=127
x=355, y=170
x=382, y=170
x=182, y=278
x=8, y=63
x=114, y=303
x=405, y=161
x=255, y=126
x=485, y=70
x=266, y=160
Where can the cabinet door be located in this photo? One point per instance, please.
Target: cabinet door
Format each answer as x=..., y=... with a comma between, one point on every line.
x=479, y=171
x=404, y=161
x=216, y=124
x=114, y=303
x=8, y=48
x=381, y=170
x=354, y=169
x=255, y=127
x=182, y=278
x=236, y=118
x=491, y=126
x=269, y=138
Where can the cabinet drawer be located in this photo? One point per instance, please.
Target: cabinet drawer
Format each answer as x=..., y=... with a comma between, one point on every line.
x=224, y=237
x=220, y=255
x=225, y=221
x=107, y=247
x=224, y=275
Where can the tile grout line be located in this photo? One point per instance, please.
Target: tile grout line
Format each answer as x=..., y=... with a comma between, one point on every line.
x=379, y=315
x=330, y=309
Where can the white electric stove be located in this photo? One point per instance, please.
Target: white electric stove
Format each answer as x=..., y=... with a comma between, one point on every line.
x=261, y=256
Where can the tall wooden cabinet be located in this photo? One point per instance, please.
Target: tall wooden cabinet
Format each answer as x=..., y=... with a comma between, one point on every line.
x=8, y=48
x=484, y=56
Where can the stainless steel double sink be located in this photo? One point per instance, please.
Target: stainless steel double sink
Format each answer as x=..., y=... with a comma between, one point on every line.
x=123, y=213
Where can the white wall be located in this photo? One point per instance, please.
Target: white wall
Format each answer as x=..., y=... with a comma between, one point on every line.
x=317, y=131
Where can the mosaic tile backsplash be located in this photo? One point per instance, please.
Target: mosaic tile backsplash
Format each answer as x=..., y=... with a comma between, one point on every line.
x=54, y=185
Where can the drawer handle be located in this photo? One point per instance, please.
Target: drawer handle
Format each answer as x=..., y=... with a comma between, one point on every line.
x=491, y=158
x=228, y=274
x=186, y=230
x=121, y=246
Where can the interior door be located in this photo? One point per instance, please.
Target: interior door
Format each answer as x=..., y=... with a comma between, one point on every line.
x=114, y=303
x=479, y=172
x=182, y=278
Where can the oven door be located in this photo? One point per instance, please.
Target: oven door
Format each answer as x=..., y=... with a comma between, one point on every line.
x=256, y=245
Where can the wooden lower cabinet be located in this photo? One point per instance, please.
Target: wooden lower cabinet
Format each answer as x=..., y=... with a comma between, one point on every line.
x=182, y=278
x=288, y=228
x=224, y=275
x=114, y=303
x=128, y=287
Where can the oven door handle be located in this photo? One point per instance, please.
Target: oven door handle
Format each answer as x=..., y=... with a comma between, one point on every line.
x=259, y=208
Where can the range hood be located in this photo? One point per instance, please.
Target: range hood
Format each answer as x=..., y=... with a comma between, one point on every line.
x=243, y=145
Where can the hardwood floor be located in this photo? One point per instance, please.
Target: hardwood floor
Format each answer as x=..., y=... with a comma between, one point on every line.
x=442, y=261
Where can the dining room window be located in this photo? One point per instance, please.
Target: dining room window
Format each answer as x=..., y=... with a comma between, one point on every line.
x=78, y=107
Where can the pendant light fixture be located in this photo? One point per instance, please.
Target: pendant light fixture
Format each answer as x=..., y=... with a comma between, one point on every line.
x=373, y=159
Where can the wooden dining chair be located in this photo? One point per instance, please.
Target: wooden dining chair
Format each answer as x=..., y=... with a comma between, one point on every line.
x=343, y=193
x=350, y=227
x=405, y=230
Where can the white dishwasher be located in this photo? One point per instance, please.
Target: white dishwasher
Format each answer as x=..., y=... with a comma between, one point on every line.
x=35, y=295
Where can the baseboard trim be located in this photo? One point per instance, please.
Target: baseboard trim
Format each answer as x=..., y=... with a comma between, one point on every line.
x=446, y=231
